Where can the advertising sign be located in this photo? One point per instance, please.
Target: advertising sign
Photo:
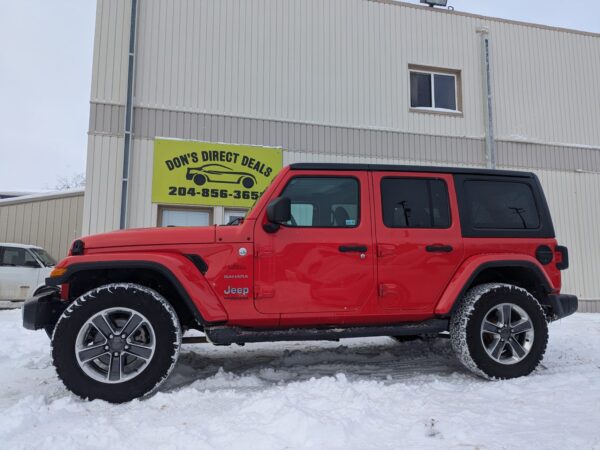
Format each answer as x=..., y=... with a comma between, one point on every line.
x=206, y=173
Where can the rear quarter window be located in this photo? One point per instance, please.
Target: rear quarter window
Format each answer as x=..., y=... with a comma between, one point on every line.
x=502, y=206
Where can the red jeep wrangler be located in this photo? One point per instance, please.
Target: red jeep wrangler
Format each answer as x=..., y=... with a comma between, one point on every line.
x=329, y=251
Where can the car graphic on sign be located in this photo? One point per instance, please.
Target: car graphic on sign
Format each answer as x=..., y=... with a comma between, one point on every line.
x=218, y=173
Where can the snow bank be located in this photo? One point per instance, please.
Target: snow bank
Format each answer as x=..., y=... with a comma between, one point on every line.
x=359, y=393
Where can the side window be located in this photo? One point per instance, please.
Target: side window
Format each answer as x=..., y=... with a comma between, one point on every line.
x=415, y=203
x=17, y=257
x=323, y=202
x=501, y=205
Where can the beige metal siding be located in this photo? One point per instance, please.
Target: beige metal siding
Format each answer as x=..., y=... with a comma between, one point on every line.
x=573, y=200
x=589, y=306
x=49, y=222
x=103, y=185
x=545, y=85
x=345, y=63
x=339, y=62
x=328, y=81
x=109, y=74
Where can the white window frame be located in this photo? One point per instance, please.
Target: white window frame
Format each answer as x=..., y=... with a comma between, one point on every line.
x=432, y=81
x=229, y=211
x=185, y=208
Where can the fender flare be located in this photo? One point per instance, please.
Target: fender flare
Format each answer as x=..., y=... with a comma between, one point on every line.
x=467, y=273
x=185, y=276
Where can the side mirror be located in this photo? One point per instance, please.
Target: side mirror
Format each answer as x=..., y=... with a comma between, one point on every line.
x=279, y=211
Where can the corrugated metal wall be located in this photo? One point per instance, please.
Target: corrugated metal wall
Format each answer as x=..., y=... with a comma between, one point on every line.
x=328, y=81
x=345, y=62
x=103, y=184
x=50, y=221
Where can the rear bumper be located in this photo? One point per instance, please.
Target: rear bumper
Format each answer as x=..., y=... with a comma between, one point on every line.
x=42, y=310
x=562, y=305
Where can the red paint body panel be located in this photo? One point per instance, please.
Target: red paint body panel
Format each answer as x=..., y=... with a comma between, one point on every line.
x=298, y=277
x=409, y=277
x=197, y=287
x=470, y=266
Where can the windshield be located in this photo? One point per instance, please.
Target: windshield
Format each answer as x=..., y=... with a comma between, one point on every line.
x=44, y=257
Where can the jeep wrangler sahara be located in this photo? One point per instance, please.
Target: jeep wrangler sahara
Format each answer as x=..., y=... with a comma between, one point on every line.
x=329, y=251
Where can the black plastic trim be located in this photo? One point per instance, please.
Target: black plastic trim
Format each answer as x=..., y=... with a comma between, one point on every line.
x=198, y=262
x=77, y=248
x=544, y=254
x=545, y=229
x=42, y=310
x=562, y=305
x=564, y=251
x=80, y=267
x=498, y=265
x=224, y=335
x=401, y=168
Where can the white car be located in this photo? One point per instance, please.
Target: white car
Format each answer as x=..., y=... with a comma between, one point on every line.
x=23, y=270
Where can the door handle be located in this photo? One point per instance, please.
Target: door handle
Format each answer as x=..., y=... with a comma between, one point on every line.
x=439, y=248
x=353, y=248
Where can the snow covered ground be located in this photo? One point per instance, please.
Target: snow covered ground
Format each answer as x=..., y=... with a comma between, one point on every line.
x=355, y=394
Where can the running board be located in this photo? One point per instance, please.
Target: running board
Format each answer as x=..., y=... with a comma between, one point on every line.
x=224, y=335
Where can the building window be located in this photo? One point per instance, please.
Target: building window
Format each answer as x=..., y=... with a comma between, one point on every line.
x=233, y=215
x=434, y=89
x=184, y=217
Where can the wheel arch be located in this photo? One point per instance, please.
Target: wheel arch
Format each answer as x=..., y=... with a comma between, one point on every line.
x=519, y=272
x=82, y=277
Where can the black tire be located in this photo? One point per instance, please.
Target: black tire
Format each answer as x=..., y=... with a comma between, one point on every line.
x=248, y=182
x=199, y=179
x=166, y=341
x=469, y=340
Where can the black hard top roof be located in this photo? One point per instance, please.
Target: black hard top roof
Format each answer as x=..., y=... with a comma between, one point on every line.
x=400, y=168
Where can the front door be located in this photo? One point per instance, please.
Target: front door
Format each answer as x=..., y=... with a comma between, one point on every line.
x=419, y=242
x=322, y=260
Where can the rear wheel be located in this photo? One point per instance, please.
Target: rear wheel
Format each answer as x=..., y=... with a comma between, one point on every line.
x=499, y=331
x=116, y=343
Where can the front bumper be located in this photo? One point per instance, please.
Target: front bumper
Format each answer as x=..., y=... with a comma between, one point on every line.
x=562, y=305
x=42, y=310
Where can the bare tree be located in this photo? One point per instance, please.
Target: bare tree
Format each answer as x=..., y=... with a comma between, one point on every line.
x=74, y=181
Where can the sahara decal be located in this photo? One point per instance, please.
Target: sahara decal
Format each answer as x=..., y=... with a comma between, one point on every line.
x=205, y=173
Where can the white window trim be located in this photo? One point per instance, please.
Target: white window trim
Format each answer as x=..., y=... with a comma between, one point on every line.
x=432, y=81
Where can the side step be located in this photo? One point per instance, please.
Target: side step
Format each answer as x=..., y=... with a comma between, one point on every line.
x=224, y=335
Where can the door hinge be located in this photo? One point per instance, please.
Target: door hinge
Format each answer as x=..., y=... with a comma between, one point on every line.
x=387, y=289
x=385, y=249
x=263, y=292
x=263, y=253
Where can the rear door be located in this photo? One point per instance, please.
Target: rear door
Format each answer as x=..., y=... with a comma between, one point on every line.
x=419, y=242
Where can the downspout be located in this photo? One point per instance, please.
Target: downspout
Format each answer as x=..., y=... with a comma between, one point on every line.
x=128, y=118
x=486, y=66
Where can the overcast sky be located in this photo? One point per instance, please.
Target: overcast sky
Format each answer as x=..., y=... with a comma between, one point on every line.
x=45, y=75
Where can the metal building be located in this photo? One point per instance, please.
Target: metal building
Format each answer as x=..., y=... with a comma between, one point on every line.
x=51, y=220
x=344, y=81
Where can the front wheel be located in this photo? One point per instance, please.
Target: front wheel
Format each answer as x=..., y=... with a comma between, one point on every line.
x=499, y=331
x=116, y=343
